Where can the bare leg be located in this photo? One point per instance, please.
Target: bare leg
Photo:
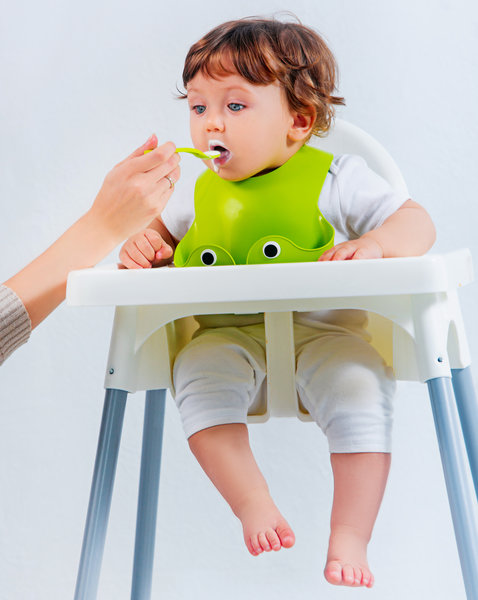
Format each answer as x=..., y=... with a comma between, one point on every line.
x=226, y=457
x=359, y=481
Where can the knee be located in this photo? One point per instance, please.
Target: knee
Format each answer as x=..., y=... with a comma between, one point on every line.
x=354, y=409
x=358, y=387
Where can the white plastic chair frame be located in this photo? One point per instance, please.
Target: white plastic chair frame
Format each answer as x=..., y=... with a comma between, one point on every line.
x=415, y=322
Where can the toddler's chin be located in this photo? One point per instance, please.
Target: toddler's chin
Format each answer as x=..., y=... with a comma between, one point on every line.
x=228, y=174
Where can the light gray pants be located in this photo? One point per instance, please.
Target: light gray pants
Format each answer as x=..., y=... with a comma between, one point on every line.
x=341, y=380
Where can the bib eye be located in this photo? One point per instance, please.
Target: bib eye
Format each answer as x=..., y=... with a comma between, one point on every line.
x=208, y=257
x=271, y=249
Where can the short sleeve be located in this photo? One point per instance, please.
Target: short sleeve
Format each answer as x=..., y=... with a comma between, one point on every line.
x=360, y=200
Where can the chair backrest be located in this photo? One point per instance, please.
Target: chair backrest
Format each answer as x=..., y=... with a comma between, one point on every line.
x=345, y=138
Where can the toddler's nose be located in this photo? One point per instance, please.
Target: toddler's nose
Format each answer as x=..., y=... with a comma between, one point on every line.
x=215, y=122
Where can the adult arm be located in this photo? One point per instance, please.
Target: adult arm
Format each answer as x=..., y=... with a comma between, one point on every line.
x=133, y=193
x=15, y=324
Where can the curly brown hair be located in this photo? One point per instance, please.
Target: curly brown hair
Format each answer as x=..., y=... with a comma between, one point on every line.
x=266, y=50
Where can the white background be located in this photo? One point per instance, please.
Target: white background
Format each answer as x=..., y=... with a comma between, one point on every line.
x=82, y=85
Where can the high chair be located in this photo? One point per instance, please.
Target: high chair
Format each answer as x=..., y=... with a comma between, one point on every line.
x=415, y=322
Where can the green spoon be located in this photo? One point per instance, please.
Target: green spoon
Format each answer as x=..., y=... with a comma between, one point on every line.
x=210, y=154
x=207, y=155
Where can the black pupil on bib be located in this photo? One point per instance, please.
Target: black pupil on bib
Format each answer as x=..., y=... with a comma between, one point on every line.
x=208, y=258
x=271, y=250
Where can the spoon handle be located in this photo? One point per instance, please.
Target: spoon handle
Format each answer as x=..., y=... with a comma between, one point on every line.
x=198, y=153
x=195, y=152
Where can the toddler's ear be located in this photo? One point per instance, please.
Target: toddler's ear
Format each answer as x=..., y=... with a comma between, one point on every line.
x=302, y=125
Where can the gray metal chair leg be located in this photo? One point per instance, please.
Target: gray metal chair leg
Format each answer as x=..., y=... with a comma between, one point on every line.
x=467, y=404
x=100, y=495
x=148, y=494
x=460, y=492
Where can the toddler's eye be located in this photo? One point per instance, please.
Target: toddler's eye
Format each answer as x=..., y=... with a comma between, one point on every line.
x=199, y=109
x=235, y=106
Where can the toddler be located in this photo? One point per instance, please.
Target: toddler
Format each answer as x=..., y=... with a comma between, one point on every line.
x=257, y=90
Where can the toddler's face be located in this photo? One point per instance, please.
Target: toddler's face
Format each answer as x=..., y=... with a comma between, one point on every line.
x=248, y=123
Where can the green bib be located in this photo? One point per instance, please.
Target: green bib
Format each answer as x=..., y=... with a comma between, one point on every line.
x=269, y=218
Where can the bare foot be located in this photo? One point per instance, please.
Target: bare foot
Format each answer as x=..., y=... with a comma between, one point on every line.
x=347, y=559
x=265, y=529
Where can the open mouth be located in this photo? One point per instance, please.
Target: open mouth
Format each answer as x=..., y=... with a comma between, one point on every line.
x=225, y=153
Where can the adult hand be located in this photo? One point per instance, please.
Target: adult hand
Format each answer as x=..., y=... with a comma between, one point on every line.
x=136, y=190
x=132, y=195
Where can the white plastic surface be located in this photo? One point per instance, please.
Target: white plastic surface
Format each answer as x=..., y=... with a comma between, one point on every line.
x=278, y=283
x=346, y=138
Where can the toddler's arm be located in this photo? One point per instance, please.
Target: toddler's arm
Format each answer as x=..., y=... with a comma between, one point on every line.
x=409, y=231
x=152, y=247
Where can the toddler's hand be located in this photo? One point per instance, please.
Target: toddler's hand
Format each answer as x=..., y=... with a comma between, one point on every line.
x=364, y=247
x=144, y=250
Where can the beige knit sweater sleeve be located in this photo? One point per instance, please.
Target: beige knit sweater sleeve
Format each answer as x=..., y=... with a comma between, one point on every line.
x=15, y=326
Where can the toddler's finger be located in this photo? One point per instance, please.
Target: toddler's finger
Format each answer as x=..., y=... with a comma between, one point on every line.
x=154, y=238
x=361, y=254
x=343, y=253
x=145, y=246
x=137, y=256
x=124, y=257
x=327, y=255
x=127, y=261
x=164, y=252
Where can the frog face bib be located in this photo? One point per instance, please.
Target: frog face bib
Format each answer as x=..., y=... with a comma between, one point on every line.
x=269, y=218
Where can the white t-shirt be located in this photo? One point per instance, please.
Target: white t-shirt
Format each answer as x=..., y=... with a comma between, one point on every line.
x=354, y=200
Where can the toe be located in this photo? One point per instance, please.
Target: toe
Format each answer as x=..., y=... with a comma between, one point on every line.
x=357, y=576
x=286, y=536
x=273, y=540
x=256, y=547
x=348, y=577
x=264, y=542
x=367, y=578
x=333, y=572
x=250, y=547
